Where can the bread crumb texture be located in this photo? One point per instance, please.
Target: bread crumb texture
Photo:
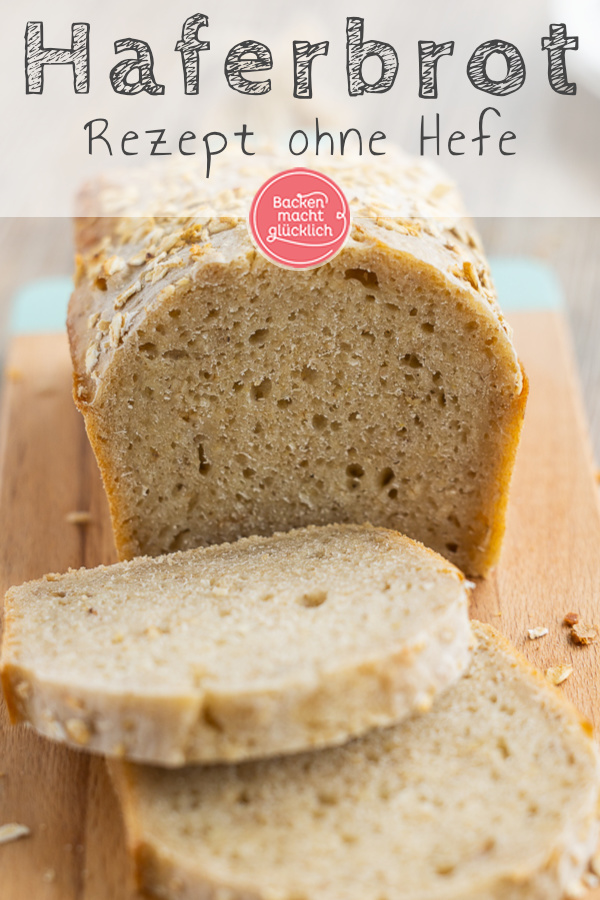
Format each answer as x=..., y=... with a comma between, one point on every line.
x=265, y=646
x=225, y=396
x=491, y=795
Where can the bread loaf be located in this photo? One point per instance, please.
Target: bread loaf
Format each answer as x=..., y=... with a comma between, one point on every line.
x=266, y=646
x=225, y=396
x=490, y=796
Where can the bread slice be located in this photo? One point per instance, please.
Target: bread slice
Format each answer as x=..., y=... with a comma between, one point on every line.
x=490, y=796
x=266, y=646
x=226, y=396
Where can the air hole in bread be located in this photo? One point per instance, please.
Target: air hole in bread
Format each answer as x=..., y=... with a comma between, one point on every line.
x=309, y=374
x=451, y=547
x=180, y=542
x=210, y=720
x=204, y=464
x=354, y=470
x=503, y=748
x=444, y=869
x=259, y=336
x=319, y=422
x=327, y=798
x=262, y=390
x=369, y=279
x=313, y=598
x=149, y=349
x=386, y=476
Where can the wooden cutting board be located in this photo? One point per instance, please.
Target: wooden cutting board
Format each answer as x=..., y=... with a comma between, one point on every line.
x=550, y=566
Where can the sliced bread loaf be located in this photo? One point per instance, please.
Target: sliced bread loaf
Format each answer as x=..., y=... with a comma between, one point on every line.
x=225, y=396
x=490, y=796
x=265, y=646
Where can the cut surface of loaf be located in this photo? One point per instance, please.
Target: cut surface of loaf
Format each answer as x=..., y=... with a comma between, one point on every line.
x=490, y=796
x=225, y=396
x=265, y=646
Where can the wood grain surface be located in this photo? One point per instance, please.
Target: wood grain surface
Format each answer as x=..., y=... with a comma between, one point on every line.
x=550, y=565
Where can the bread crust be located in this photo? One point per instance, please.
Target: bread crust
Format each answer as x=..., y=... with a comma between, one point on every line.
x=167, y=874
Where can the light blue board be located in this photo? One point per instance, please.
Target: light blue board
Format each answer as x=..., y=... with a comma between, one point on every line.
x=522, y=284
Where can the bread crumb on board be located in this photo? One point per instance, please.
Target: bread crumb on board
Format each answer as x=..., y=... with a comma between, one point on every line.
x=584, y=634
x=535, y=633
x=12, y=831
x=78, y=517
x=571, y=619
x=557, y=674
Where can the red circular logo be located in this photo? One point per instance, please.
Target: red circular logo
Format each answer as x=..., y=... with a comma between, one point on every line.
x=299, y=218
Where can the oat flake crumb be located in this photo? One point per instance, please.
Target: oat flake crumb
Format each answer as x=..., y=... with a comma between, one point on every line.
x=538, y=632
x=558, y=674
x=78, y=517
x=571, y=618
x=584, y=634
x=12, y=832
x=91, y=358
